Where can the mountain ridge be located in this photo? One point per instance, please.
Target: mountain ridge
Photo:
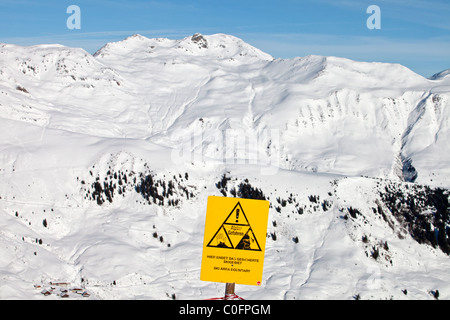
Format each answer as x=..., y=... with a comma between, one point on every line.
x=107, y=162
x=218, y=45
x=440, y=75
x=168, y=95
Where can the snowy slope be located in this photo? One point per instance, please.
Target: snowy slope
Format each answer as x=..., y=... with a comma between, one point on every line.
x=311, y=111
x=106, y=163
x=440, y=75
x=226, y=85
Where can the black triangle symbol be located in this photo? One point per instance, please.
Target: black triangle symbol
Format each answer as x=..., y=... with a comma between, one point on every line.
x=235, y=232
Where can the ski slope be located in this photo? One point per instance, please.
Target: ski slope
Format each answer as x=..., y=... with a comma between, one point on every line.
x=331, y=142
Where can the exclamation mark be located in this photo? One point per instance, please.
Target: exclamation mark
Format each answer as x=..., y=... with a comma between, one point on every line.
x=237, y=215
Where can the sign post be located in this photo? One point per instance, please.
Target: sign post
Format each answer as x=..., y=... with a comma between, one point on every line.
x=229, y=291
x=234, y=241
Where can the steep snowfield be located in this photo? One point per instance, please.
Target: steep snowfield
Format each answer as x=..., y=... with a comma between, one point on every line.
x=222, y=84
x=304, y=113
x=107, y=161
x=440, y=75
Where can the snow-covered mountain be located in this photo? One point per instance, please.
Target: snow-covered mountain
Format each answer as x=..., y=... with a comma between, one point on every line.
x=107, y=161
x=440, y=75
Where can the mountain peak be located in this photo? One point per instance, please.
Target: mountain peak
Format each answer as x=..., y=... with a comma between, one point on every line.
x=217, y=46
x=440, y=75
x=135, y=37
x=200, y=40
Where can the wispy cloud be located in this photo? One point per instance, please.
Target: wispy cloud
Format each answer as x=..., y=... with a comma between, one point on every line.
x=141, y=5
x=431, y=13
x=424, y=56
x=325, y=44
x=92, y=41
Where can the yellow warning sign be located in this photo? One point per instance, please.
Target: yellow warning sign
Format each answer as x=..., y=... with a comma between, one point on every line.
x=234, y=240
x=235, y=232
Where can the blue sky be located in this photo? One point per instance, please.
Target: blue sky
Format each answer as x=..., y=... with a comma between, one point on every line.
x=415, y=33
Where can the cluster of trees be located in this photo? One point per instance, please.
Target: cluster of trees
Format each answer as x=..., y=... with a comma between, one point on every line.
x=244, y=190
x=424, y=211
x=102, y=191
x=153, y=190
x=159, y=192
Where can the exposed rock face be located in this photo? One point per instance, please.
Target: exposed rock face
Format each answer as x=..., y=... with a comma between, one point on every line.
x=200, y=40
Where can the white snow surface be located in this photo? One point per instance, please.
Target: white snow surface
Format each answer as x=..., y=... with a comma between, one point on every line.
x=190, y=111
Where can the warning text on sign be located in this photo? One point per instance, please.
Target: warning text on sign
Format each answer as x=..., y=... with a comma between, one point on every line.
x=231, y=262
